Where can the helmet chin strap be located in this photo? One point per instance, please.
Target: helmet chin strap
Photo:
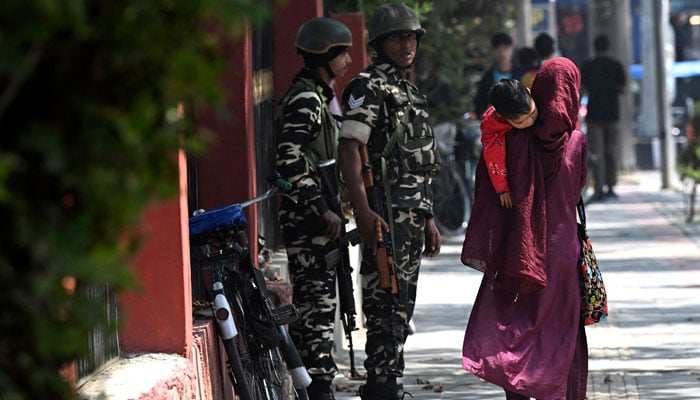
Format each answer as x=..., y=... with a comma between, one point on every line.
x=329, y=70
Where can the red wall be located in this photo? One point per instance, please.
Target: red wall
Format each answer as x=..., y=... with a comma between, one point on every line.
x=158, y=317
x=286, y=61
x=358, y=51
x=285, y=24
x=226, y=172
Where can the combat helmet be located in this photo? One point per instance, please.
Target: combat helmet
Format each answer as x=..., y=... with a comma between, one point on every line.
x=392, y=18
x=320, y=35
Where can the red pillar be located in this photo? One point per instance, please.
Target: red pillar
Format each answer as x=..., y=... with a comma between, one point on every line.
x=286, y=22
x=226, y=172
x=157, y=317
x=356, y=23
x=286, y=61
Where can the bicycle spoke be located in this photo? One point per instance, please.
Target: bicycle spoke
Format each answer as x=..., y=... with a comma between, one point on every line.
x=452, y=204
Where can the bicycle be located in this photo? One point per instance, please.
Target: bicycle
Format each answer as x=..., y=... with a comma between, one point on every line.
x=262, y=362
x=689, y=172
x=593, y=188
x=452, y=200
x=468, y=149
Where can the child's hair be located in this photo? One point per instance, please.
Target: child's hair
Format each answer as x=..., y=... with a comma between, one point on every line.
x=544, y=44
x=501, y=39
x=601, y=43
x=527, y=57
x=510, y=98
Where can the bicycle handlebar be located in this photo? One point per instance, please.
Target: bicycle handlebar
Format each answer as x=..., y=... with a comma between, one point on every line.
x=205, y=221
x=279, y=185
x=282, y=184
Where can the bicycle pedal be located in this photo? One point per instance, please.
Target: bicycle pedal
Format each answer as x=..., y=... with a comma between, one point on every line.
x=286, y=314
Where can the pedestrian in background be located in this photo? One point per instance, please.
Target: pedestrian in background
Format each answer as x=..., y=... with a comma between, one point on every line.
x=545, y=47
x=502, y=53
x=528, y=64
x=525, y=332
x=308, y=135
x=603, y=79
x=386, y=113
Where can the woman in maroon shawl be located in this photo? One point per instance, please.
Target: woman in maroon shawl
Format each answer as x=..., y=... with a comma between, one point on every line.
x=524, y=332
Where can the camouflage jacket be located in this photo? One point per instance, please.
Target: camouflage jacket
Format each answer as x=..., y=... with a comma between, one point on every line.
x=307, y=133
x=375, y=103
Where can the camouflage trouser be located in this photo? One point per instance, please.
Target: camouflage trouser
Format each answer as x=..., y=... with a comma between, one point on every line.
x=387, y=315
x=314, y=292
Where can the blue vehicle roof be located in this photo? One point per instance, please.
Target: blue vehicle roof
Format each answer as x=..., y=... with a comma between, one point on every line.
x=680, y=69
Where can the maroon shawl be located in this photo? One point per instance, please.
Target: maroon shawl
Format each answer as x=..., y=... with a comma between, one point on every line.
x=512, y=241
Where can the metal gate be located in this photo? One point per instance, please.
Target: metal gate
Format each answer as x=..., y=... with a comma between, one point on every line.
x=103, y=344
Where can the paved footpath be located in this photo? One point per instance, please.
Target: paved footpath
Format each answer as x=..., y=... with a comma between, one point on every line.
x=649, y=348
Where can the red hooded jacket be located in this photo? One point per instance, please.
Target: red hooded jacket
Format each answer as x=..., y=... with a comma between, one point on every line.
x=493, y=139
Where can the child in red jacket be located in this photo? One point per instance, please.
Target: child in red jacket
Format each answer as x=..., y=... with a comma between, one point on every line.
x=512, y=107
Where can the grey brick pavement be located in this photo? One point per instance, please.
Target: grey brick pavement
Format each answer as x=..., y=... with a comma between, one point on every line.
x=648, y=349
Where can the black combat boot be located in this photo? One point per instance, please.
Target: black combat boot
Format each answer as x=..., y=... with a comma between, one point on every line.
x=320, y=390
x=381, y=389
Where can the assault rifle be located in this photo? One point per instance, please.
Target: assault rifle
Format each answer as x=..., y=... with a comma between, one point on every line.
x=339, y=258
x=384, y=255
x=385, y=250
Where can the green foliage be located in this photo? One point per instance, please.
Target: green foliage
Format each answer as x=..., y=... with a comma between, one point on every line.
x=455, y=48
x=88, y=132
x=455, y=51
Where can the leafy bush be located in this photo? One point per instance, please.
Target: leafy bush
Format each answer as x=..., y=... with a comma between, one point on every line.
x=88, y=129
x=454, y=50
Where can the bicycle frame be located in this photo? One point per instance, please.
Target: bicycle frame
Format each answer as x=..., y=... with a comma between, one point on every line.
x=221, y=231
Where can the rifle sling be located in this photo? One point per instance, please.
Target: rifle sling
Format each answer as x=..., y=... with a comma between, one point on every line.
x=397, y=135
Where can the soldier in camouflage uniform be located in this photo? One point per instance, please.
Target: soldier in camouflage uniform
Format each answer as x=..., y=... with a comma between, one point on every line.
x=308, y=135
x=376, y=102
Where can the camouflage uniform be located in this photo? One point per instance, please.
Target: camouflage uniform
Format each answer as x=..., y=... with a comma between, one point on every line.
x=376, y=101
x=308, y=135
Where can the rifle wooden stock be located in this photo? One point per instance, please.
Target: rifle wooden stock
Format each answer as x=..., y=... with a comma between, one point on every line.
x=384, y=252
x=385, y=262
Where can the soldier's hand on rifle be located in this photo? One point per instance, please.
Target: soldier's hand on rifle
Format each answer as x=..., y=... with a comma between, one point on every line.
x=366, y=225
x=433, y=240
x=332, y=222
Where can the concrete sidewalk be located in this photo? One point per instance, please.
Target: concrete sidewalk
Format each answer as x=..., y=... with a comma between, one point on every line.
x=648, y=349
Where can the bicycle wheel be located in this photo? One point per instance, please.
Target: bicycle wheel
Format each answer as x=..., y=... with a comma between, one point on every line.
x=593, y=188
x=241, y=384
x=237, y=349
x=299, y=378
x=263, y=366
x=274, y=382
x=589, y=192
x=228, y=319
x=253, y=359
x=452, y=203
x=689, y=187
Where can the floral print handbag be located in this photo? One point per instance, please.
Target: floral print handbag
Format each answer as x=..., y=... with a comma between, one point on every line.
x=594, y=299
